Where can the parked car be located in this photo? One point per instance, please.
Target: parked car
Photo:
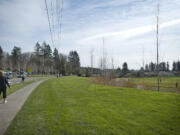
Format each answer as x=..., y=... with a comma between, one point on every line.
x=22, y=74
x=9, y=75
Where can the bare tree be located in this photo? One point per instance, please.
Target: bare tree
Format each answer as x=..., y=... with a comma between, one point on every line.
x=92, y=60
x=157, y=45
x=25, y=58
x=112, y=67
x=103, y=60
x=143, y=64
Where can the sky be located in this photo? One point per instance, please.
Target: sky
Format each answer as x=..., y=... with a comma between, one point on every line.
x=127, y=27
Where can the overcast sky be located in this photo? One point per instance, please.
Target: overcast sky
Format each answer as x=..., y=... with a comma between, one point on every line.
x=126, y=25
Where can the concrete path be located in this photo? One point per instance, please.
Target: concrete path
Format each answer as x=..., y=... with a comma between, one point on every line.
x=15, y=101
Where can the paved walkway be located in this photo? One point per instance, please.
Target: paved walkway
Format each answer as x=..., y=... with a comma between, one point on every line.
x=15, y=101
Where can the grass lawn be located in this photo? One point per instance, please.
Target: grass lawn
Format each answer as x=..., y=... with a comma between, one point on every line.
x=165, y=81
x=74, y=106
x=18, y=86
x=167, y=84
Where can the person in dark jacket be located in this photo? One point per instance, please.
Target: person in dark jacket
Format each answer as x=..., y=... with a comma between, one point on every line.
x=23, y=78
x=3, y=86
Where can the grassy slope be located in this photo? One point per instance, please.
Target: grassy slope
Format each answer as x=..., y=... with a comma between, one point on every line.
x=18, y=86
x=73, y=106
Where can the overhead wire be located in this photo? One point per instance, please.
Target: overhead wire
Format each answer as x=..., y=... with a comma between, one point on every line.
x=55, y=28
x=47, y=11
x=62, y=6
x=52, y=18
x=58, y=15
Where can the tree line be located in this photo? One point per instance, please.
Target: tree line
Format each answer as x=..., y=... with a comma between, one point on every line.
x=42, y=61
x=163, y=66
x=176, y=66
x=45, y=61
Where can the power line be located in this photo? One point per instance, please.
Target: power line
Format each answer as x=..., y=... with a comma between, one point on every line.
x=62, y=6
x=47, y=11
x=57, y=14
x=157, y=45
x=52, y=18
x=55, y=28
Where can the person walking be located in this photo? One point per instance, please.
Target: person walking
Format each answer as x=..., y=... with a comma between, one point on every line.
x=23, y=77
x=3, y=86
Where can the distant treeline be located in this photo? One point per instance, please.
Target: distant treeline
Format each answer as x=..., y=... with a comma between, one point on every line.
x=163, y=66
x=45, y=61
x=42, y=61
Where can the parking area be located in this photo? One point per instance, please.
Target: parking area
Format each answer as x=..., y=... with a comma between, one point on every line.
x=19, y=80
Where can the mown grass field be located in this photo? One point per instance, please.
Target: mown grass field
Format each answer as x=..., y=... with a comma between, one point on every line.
x=74, y=106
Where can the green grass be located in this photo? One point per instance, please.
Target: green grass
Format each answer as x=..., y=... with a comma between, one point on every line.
x=18, y=86
x=167, y=84
x=165, y=81
x=74, y=106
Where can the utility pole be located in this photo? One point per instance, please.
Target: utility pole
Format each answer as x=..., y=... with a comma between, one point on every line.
x=43, y=53
x=103, y=57
x=92, y=60
x=103, y=60
x=143, y=63
x=112, y=67
x=157, y=43
x=112, y=63
x=143, y=69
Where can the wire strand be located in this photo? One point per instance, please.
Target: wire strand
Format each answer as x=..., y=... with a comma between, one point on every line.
x=47, y=11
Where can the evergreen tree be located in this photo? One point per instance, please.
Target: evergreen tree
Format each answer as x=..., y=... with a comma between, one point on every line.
x=56, y=54
x=74, y=62
x=16, y=54
x=125, y=67
x=167, y=66
x=38, y=55
x=152, y=66
x=1, y=53
x=178, y=66
x=174, y=66
x=146, y=67
x=162, y=66
x=46, y=50
x=38, y=49
x=63, y=60
x=56, y=60
x=1, y=57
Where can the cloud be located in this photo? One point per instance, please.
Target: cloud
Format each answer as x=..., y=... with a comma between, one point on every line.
x=21, y=22
x=125, y=24
x=130, y=33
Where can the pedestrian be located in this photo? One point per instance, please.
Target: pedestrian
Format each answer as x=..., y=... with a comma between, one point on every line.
x=3, y=86
x=176, y=84
x=23, y=78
